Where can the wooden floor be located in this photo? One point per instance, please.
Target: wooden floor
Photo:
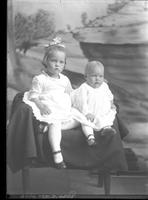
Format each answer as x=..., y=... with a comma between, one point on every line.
x=74, y=182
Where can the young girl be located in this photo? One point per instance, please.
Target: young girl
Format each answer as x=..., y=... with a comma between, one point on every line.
x=49, y=97
x=95, y=101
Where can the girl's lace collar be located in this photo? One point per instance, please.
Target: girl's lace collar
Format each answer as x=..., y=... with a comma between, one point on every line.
x=45, y=73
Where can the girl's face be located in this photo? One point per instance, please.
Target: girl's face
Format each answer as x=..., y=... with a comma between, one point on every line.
x=56, y=63
x=95, y=77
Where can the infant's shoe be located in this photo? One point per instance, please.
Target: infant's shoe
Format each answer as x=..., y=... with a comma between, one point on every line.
x=91, y=140
x=108, y=131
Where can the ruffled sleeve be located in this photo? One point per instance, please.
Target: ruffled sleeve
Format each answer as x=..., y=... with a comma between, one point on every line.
x=36, y=89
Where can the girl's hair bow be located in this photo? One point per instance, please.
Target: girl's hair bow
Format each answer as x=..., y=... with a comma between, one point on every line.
x=56, y=42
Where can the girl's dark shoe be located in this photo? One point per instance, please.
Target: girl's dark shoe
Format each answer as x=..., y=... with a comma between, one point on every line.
x=91, y=140
x=59, y=165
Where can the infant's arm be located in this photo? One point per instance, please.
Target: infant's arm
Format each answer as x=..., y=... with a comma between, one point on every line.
x=83, y=98
x=79, y=99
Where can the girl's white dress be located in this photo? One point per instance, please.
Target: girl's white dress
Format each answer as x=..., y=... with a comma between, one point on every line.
x=55, y=93
x=96, y=101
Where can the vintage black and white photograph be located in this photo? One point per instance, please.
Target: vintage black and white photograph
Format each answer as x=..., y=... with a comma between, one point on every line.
x=87, y=135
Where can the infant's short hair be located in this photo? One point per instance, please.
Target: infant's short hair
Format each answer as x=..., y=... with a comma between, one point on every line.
x=91, y=64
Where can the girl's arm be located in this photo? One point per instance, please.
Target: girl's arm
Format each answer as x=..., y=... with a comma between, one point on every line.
x=34, y=95
x=36, y=89
x=44, y=110
x=69, y=88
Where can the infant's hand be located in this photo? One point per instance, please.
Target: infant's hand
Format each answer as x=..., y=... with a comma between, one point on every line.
x=44, y=110
x=90, y=117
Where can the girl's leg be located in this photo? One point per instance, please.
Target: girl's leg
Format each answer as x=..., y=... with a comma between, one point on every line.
x=72, y=123
x=54, y=136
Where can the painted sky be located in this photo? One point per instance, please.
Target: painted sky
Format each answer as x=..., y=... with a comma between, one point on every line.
x=66, y=11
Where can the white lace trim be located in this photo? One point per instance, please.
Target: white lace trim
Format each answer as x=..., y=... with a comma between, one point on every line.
x=74, y=114
x=52, y=118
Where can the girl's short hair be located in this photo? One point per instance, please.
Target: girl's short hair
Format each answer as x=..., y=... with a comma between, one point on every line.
x=55, y=45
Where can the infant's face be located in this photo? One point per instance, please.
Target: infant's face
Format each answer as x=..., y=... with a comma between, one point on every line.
x=95, y=77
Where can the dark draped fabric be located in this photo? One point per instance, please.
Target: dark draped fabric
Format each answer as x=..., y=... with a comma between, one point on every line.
x=26, y=141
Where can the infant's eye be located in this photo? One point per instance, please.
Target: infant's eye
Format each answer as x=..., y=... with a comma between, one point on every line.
x=62, y=62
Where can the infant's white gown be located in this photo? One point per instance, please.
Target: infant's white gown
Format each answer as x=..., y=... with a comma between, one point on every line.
x=96, y=101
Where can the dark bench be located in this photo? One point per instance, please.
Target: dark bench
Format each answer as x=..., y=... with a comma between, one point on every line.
x=28, y=147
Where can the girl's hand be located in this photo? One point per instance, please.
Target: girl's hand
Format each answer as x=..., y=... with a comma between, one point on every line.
x=44, y=110
x=90, y=117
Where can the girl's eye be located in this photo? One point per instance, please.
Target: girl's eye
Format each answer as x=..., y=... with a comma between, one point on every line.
x=55, y=61
x=52, y=60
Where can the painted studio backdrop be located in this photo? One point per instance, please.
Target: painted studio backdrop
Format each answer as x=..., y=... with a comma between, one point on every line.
x=113, y=31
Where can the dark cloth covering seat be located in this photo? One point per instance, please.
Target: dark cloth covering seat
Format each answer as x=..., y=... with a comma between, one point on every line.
x=26, y=142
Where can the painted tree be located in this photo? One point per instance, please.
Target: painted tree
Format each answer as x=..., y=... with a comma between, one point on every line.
x=84, y=18
x=12, y=60
x=28, y=29
x=44, y=24
x=24, y=31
